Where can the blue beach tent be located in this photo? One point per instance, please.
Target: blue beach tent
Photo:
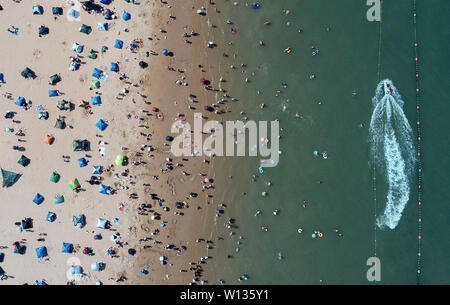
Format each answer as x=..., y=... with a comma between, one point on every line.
x=118, y=44
x=102, y=223
x=2, y=79
x=105, y=1
x=102, y=26
x=96, y=100
x=114, y=67
x=38, y=10
x=126, y=16
x=103, y=189
x=165, y=51
x=38, y=199
x=53, y=93
x=97, y=73
x=20, y=101
x=101, y=125
x=67, y=248
x=41, y=252
x=82, y=162
x=51, y=217
x=97, y=170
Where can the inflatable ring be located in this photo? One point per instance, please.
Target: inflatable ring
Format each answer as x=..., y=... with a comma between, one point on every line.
x=300, y=230
x=320, y=234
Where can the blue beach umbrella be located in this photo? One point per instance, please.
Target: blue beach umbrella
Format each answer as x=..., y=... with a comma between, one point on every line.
x=101, y=125
x=165, y=51
x=126, y=16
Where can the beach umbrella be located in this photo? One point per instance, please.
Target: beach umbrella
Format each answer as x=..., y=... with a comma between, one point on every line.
x=101, y=125
x=82, y=162
x=67, y=248
x=51, y=217
x=9, y=178
x=118, y=44
x=74, y=184
x=104, y=189
x=165, y=51
x=49, y=140
x=126, y=16
x=24, y=161
x=38, y=199
x=41, y=252
x=119, y=160
x=54, y=177
x=97, y=170
x=58, y=199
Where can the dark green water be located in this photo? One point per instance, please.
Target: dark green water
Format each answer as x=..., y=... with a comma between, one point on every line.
x=347, y=62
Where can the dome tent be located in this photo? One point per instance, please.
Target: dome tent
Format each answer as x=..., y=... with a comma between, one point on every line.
x=126, y=16
x=54, y=177
x=101, y=125
x=41, y=252
x=38, y=199
x=67, y=248
x=38, y=10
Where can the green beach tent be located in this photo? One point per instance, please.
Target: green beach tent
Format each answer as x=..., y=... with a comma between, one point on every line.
x=28, y=73
x=119, y=160
x=95, y=84
x=58, y=199
x=55, y=177
x=24, y=161
x=74, y=184
x=9, y=178
x=85, y=29
x=60, y=124
x=54, y=79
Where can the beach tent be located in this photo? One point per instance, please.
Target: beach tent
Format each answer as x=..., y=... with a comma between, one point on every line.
x=102, y=223
x=24, y=161
x=67, y=248
x=165, y=52
x=63, y=105
x=2, y=272
x=105, y=1
x=169, y=139
x=76, y=270
x=119, y=160
x=20, y=101
x=77, y=47
x=55, y=177
x=95, y=84
x=74, y=184
x=74, y=14
x=97, y=73
x=41, y=252
x=49, y=140
x=2, y=78
x=96, y=100
x=38, y=199
x=92, y=55
x=28, y=73
x=97, y=266
x=60, y=124
x=126, y=16
x=57, y=10
x=74, y=66
x=85, y=29
x=102, y=26
x=118, y=44
x=19, y=249
x=58, y=199
x=101, y=125
x=9, y=178
x=43, y=115
x=91, y=6
x=51, y=217
x=97, y=170
x=143, y=64
x=104, y=189
x=114, y=67
x=52, y=93
x=27, y=223
x=79, y=221
x=81, y=145
x=43, y=30
x=2, y=257
x=82, y=162
x=54, y=79
x=38, y=10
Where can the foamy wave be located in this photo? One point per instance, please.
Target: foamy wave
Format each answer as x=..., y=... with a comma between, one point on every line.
x=392, y=147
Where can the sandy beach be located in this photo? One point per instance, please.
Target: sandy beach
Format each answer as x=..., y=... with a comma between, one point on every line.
x=138, y=104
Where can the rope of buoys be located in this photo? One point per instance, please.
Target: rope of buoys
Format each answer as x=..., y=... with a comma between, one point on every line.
x=419, y=142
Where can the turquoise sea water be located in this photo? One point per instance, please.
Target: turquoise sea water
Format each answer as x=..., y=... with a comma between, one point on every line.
x=348, y=67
